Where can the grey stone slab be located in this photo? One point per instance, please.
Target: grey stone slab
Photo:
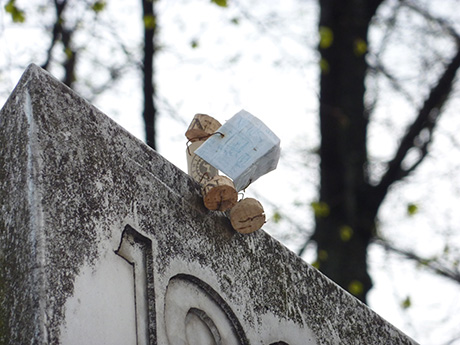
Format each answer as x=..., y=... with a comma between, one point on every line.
x=103, y=241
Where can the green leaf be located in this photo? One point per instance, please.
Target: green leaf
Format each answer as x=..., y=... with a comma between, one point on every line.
x=221, y=3
x=406, y=303
x=412, y=209
x=9, y=7
x=446, y=250
x=150, y=21
x=235, y=21
x=17, y=14
x=276, y=217
x=69, y=53
x=360, y=47
x=320, y=209
x=355, y=287
x=194, y=44
x=19, y=17
x=346, y=233
x=99, y=6
x=326, y=37
x=323, y=255
x=324, y=66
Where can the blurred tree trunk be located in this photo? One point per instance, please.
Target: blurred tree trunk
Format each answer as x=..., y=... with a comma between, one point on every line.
x=149, y=113
x=64, y=35
x=344, y=232
x=349, y=204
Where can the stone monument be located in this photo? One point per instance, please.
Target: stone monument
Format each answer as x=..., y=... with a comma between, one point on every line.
x=103, y=241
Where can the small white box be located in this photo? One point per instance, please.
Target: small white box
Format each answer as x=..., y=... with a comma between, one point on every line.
x=244, y=149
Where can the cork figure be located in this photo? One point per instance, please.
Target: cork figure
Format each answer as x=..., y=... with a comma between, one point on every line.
x=244, y=148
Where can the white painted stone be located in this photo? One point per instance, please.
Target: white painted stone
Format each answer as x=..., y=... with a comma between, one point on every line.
x=102, y=241
x=102, y=310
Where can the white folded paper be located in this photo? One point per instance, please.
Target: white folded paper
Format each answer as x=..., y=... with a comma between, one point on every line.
x=244, y=149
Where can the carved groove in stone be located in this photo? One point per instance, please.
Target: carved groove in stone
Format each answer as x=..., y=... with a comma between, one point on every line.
x=196, y=314
x=197, y=321
x=136, y=249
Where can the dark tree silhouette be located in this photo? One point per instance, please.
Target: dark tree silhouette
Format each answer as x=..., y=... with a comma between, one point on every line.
x=60, y=33
x=344, y=232
x=149, y=113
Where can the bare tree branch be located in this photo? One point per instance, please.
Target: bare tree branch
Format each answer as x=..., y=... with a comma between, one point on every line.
x=64, y=35
x=439, y=21
x=377, y=66
x=432, y=265
x=426, y=120
x=453, y=340
x=57, y=30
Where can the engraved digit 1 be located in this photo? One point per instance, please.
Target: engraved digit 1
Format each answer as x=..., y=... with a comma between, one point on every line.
x=136, y=249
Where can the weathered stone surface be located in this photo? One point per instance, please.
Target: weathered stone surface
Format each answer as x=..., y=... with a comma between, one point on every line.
x=102, y=241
